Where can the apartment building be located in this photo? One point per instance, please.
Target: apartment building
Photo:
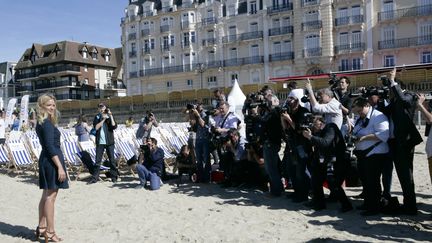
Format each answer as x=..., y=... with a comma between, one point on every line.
x=172, y=45
x=70, y=71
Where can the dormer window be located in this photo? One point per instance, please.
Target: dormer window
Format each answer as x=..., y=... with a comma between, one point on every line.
x=107, y=56
x=33, y=57
x=94, y=54
x=84, y=52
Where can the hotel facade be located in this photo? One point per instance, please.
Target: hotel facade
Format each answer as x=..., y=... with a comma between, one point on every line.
x=178, y=45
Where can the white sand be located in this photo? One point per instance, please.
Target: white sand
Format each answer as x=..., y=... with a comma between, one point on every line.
x=105, y=212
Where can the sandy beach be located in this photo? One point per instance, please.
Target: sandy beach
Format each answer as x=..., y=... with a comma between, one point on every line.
x=107, y=212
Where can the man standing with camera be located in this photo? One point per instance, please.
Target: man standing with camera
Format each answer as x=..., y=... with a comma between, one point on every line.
x=104, y=124
x=404, y=136
x=328, y=106
x=145, y=126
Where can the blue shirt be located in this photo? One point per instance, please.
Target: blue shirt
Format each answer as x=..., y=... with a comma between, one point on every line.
x=102, y=139
x=230, y=122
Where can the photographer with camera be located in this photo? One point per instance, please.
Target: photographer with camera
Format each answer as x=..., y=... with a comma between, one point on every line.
x=346, y=103
x=145, y=126
x=234, y=156
x=272, y=137
x=328, y=162
x=328, y=106
x=404, y=136
x=104, y=124
x=294, y=120
x=199, y=118
x=371, y=131
x=151, y=164
x=428, y=131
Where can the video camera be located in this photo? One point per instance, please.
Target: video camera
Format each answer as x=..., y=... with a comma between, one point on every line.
x=306, y=122
x=381, y=92
x=333, y=82
x=255, y=100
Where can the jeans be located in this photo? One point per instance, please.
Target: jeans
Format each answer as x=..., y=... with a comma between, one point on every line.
x=203, y=160
x=296, y=170
x=100, y=148
x=146, y=175
x=271, y=162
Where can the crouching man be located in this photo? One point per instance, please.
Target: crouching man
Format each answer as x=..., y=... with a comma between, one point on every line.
x=151, y=164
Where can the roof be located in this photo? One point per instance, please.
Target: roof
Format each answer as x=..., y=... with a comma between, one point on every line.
x=68, y=51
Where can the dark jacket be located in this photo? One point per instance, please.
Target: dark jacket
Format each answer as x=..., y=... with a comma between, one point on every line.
x=108, y=129
x=401, y=110
x=155, y=162
x=330, y=143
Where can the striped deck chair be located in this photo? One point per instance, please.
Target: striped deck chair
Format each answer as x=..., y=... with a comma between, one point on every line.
x=126, y=149
x=91, y=149
x=70, y=151
x=34, y=144
x=20, y=155
x=4, y=157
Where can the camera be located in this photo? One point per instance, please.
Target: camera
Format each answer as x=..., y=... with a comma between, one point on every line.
x=381, y=92
x=145, y=148
x=385, y=81
x=190, y=106
x=306, y=122
x=351, y=140
x=106, y=111
x=255, y=100
x=333, y=81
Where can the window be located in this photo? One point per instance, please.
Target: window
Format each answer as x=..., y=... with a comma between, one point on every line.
x=133, y=47
x=344, y=65
x=286, y=46
x=211, y=56
x=231, y=10
x=426, y=57
x=234, y=77
x=275, y=3
x=152, y=44
x=389, y=61
x=254, y=50
x=86, y=81
x=212, y=81
x=107, y=57
x=84, y=54
x=355, y=10
x=253, y=27
x=192, y=36
x=356, y=63
x=312, y=41
x=172, y=40
x=253, y=7
x=169, y=84
x=342, y=12
x=343, y=39
x=356, y=37
x=255, y=77
x=233, y=53
x=209, y=14
x=277, y=47
x=276, y=23
x=311, y=16
x=232, y=31
x=387, y=10
x=189, y=83
x=186, y=39
x=94, y=55
x=286, y=21
x=425, y=33
x=85, y=68
x=165, y=42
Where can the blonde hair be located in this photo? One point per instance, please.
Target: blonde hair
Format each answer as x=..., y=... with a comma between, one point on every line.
x=41, y=113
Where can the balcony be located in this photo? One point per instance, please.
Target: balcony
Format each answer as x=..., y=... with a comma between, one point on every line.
x=165, y=48
x=229, y=38
x=281, y=56
x=165, y=28
x=50, y=70
x=280, y=8
x=251, y=35
x=281, y=31
x=348, y=48
x=132, y=36
x=56, y=84
x=417, y=11
x=312, y=25
x=173, y=69
x=209, y=41
x=133, y=75
x=233, y=62
x=132, y=54
x=405, y=42
x=209, y=21
x=309, y=2
x=68, y=96
x=253, y=60
x=312, y=52
x=349, y=20
x=214, y=64
x=152, y=71
x=148, y=13
x=145, y=51
x=145, y=32
x=114, y=86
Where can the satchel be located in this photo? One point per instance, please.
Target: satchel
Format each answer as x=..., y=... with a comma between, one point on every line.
x=362, y=154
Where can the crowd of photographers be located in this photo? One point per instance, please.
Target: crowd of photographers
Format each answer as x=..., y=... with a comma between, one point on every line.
x=330, y=136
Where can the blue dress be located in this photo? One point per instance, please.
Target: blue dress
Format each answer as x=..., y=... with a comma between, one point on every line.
x=49, y=137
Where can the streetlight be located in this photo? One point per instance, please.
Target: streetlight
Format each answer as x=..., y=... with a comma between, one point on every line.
x=201, y=68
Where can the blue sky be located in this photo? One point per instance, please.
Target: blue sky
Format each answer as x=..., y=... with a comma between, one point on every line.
x=24, y=22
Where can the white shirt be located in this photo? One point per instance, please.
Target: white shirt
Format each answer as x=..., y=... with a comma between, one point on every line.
x=378, y=124
x=2, y=128
x=332, y=112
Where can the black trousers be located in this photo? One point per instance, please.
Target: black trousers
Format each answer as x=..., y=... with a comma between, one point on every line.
x=370, y=169
x=403, y=160
x=296, y=170
x=112, y=163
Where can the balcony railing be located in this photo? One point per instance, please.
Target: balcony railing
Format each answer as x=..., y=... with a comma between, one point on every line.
x=114, y=86
x=49, y=70
x=280, y=8
x=145, y=32
x=312, y=52
x=209, y=21
x=349, y=20
x=253, y=60
x=229, y=38
x=405, y=42
x=347, y=48
x=132, y=36
x=55, y=84
x=281, y=31
x=424, y=10
x=251, y=35
x=132, y=54
x=233, y=62
x=145, y=51
x=209, y=41
x=309, y=2
x=165, y=47
x=164, y=28
x=312, y=25
x=214, y=64
x=173, y=69
x=281, y=56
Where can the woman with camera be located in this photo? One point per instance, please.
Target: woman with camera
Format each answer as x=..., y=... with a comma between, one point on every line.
x=372, y=132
